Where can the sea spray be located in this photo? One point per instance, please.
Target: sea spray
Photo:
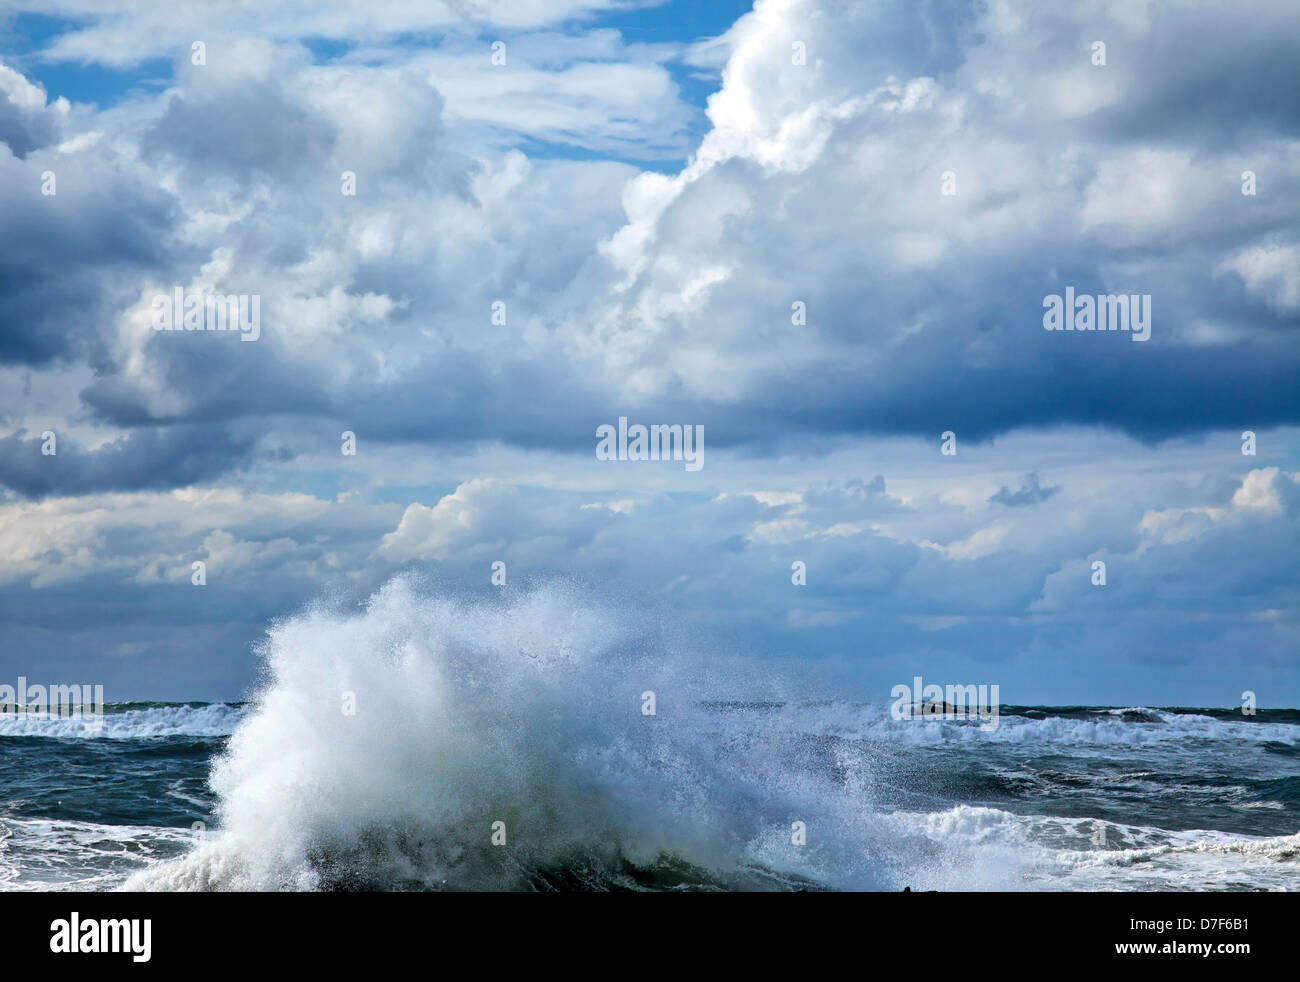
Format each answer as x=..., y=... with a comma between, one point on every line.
x=388, y=745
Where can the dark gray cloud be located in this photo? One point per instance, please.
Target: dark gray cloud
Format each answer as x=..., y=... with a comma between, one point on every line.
x=73, y=259
x=1029, y=494
x=22, y=129
x=144, y=459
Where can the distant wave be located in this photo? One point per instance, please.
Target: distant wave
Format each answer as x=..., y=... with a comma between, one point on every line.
x=1136, y=725
x=1048, y=725
x=121, y=721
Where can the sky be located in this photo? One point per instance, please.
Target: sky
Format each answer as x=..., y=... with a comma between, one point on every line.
x=823, y=232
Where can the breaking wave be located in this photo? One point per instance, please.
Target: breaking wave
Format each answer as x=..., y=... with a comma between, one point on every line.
x=387, y=744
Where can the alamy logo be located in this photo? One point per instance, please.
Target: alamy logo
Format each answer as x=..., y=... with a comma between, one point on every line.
x=105, y=935
x=958, y=702
x=1104, y=312
x=63, y=701
x=209, y=312
x=656, y=442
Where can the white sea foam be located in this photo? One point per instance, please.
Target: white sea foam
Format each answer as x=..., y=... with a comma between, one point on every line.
x=53, y=854
x=987, y=848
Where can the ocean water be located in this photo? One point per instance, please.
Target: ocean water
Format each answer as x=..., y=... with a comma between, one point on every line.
x=388, y=744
